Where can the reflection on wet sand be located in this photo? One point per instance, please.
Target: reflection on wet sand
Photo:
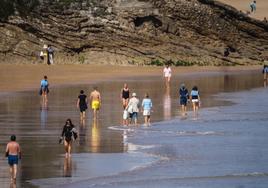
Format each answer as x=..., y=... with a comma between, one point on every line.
x=264, y=83
x=13, y=185
x=167, y=104
x=43, y=115
x=125, y=140
x=67, y=170
x=82, y=132
x=95, y=136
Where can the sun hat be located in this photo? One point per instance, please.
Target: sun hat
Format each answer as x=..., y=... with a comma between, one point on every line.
x=134, y=95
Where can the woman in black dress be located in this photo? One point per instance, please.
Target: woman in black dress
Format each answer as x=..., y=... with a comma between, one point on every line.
x=82, y=104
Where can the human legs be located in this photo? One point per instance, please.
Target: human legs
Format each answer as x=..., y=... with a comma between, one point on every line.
x=67, y=147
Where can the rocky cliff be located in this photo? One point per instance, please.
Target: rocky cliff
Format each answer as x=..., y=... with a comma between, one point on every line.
x=130, y=31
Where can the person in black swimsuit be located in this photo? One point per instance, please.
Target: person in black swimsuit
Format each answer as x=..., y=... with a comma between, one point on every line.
x=82, y=104
x=125, y=95
x=68, y=134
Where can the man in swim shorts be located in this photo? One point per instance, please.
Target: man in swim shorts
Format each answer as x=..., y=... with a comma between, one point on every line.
x=95, y=99
x=13, y=154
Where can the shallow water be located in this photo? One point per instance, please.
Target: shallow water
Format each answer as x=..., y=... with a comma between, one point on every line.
x=38, y=128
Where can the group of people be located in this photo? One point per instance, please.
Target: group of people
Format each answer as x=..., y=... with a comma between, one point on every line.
x=194, y=97
x=131, y=108
x=47, y=55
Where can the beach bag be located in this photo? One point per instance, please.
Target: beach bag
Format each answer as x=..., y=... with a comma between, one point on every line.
x=130, y=109
x=74, y=134
x=125, y=114
x=40, y=91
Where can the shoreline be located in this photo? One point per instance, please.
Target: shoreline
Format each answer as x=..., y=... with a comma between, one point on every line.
x=21, y=77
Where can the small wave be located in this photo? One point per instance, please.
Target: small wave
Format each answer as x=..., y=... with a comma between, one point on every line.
x=135, y=147
x=120, y=128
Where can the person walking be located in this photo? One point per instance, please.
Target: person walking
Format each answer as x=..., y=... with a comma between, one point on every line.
x=167, y=74
x=95, y=99
x=147, y=106
x=195, y=98
x=184, y=96
x=50, y=55
x=133, y=108
x=44, y=90
x=82, y=104
x=265, y=71
x=13, y=153
x=125, y=95
x=253, y=7
x=68, y=134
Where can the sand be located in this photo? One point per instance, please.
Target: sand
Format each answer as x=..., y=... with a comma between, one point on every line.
x=262, y=7
x=22, y=77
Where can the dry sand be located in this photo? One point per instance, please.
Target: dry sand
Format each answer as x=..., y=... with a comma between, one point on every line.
x=262, y=7
x=21, y=77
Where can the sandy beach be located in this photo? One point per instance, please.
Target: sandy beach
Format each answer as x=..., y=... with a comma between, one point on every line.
x=22, y=77
x=262, y=7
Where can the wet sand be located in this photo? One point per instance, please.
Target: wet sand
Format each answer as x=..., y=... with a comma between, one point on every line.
x=39, y=128
x=22, y=77
x=262, y=7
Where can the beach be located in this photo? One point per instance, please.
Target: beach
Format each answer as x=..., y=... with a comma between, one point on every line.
x=22, y=77
x=105, y=149
x=262, y=7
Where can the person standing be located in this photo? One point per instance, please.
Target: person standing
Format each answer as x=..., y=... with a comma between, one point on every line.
x=13, y=153
x=167, y=74
x=50, y=55
x=44, y=89
x=265, y=71
x=68, y=134
x=95, y=99
x=133, y=108
x=253, y=6
x=184, y=96
x=82, y=104
x=147, y=106
x=125, y=95
x=195, y=97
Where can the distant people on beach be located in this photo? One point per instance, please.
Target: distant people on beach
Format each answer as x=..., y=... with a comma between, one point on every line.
x=82, y=104
x=253, y=7
x=13, y=153
x=167, y=74
x=133, y=108
x=226, y=52
x=147, y=106
x=195, y=98
x=95, y=99
x=44, y=89
x=184, y=97
x=265, y=20
x=68, y=134
x=265, y=71
x=125, y=95
x=50, y=55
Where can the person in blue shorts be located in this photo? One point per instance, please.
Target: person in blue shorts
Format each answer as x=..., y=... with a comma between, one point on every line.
x=13, y=153
x=184, y=96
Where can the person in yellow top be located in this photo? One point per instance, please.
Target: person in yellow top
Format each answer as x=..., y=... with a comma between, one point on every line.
x=95, y=99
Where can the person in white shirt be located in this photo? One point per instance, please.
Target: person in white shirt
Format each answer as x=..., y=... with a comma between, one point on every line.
x=167, y=74
x=133, y=108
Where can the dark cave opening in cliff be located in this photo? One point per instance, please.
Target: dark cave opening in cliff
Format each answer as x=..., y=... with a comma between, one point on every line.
x=140, y=20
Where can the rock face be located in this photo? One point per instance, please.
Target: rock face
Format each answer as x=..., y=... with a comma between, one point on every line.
x=131, y=31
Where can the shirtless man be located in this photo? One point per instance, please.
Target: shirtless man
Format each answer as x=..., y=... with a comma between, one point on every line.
x=14, y=154
x=95, y=100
